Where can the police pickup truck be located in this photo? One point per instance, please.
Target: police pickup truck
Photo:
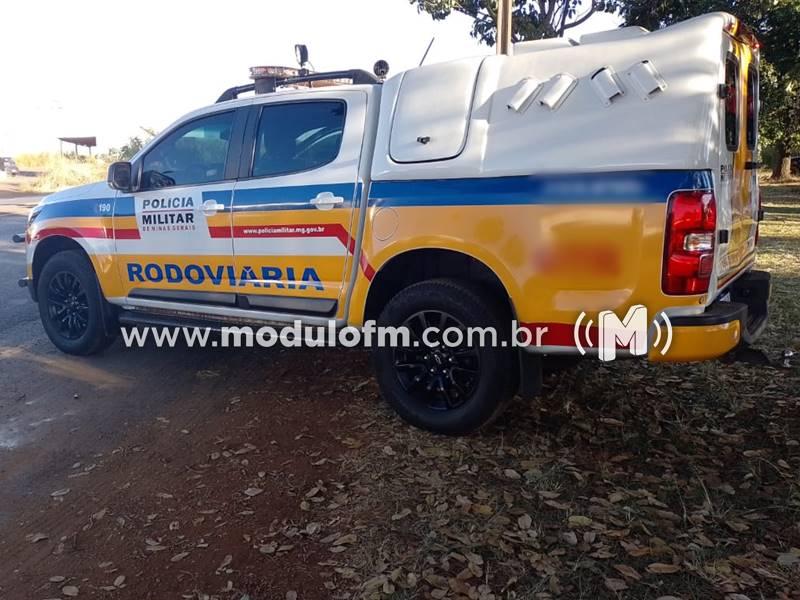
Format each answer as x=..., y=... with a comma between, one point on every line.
x=567, y=179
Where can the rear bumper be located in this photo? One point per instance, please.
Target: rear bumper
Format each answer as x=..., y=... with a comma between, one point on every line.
x=724, y=325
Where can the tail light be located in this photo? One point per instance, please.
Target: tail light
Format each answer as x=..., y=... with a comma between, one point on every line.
x=690, y=242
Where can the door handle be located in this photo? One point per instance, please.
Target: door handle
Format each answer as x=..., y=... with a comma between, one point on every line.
x=326, y=200
x=211, y=207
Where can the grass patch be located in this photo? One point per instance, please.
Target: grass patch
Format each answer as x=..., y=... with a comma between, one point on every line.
x=59, y=172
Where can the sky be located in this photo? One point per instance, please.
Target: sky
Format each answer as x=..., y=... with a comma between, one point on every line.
x=106, y=68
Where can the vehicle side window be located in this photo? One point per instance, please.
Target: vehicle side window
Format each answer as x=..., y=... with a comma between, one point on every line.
x=194, y=153
x=752, y=107
x=298, y=136
x=732, y=103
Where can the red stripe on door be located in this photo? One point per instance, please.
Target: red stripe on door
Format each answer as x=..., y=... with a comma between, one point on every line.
x=127, y=234
x=296, y=231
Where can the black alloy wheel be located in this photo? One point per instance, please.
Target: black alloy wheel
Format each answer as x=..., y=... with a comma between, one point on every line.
x=443, y=376
x=450, y=386
x=74, y=314
x=67, y=305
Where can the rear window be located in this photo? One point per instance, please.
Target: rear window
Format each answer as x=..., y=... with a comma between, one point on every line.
x=298, y=136
x=752, y=107
x=732, y=103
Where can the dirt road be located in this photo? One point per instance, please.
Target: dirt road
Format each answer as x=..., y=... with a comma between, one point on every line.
x=175, y=470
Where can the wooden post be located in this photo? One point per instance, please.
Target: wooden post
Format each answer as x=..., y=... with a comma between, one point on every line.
x=504, y=26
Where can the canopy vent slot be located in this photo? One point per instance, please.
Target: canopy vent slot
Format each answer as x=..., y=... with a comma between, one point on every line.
x=556, y=90
x=524, y=94
x=646, y=79
x=605, y=84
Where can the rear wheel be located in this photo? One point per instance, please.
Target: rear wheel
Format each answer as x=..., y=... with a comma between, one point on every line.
x=447, y=388
x=71, y=306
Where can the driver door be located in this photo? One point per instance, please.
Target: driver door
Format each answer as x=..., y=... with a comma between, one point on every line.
x=173, y=234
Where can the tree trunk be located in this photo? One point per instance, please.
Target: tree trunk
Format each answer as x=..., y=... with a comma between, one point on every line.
x=783, y=164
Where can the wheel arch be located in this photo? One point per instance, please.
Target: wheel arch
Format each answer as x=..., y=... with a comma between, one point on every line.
x=418, y=264
x=45, y=250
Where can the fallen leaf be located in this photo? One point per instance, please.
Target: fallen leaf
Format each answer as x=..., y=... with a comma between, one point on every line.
x=350, y=538
x=787, y=559
x=579, y=521
x=628, y=572
x=615, y=585
x=268, y=548
x=662, y=568
x=401, y=515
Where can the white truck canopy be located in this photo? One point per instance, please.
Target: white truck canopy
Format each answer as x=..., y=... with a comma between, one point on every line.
x=617, y=100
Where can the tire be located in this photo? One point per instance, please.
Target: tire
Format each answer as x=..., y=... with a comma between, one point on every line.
x=71, y=307
x=473, y=384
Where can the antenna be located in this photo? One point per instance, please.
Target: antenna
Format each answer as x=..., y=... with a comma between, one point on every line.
x=428, y=49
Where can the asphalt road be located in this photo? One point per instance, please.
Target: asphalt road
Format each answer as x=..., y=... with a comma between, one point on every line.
x=57, y=409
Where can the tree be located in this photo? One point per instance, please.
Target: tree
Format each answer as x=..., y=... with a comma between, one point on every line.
x=780, y=120
x=776, y=23
x=134, y=144
x=129, y=150
x=532, y=19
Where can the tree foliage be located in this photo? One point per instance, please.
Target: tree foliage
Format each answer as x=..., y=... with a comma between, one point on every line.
x=132, y=146
x=776, y=23
x=129, y=149
x=532, y=19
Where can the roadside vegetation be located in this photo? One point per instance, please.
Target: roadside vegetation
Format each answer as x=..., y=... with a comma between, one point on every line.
x=56, y=172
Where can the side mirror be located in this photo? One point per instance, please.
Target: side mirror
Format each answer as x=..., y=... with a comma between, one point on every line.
x=120, y=176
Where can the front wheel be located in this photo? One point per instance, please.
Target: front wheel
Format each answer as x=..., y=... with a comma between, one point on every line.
x=71, y=306
x=449, y=387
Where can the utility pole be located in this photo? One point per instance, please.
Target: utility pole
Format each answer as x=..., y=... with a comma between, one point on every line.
x=504, y=26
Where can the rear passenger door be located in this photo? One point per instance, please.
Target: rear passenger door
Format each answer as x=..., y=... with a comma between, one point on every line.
x=294, y=204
